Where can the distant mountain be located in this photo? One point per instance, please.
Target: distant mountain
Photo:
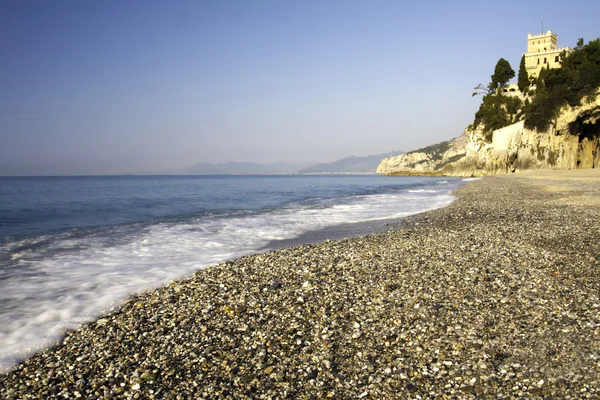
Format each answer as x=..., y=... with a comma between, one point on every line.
x=349, y=164
x=243, y=168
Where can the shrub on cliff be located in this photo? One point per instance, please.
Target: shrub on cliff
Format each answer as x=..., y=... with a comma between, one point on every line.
x=435, y=151
x=496, y=110
x=579, y=77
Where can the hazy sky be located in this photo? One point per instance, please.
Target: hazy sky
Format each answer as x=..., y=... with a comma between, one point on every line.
x=103, y=86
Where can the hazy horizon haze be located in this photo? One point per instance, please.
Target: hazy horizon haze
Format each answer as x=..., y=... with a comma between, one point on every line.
x=109, y=87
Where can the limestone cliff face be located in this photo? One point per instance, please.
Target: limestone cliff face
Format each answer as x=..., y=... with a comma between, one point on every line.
x=574, y=142
x=427, y=161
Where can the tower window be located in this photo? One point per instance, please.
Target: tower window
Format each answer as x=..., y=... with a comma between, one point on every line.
x=538, y=60
x=556, y=59
x=544, y=60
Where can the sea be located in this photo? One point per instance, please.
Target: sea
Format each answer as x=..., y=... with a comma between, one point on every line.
x=72, y=248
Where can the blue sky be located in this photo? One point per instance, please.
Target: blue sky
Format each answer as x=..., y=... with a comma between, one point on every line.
x=102, y=87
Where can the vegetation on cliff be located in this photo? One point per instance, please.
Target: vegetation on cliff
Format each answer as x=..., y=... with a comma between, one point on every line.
x=503, y=73
x=538, y=104
x=578, y=78
x=435, y=152
x=523, y=77
x=497, y=110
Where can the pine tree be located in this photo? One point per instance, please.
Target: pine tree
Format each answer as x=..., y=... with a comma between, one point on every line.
x=502, y=74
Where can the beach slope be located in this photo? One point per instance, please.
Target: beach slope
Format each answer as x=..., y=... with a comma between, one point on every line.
x=495, y=295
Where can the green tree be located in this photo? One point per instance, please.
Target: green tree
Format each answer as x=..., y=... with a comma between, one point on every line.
x=578, y=77
x=480, y=89
x=497, y=111
x=540, y=82
x=502, y=74
x=523, y=81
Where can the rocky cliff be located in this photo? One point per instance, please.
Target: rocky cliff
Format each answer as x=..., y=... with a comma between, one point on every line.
x=573, y=142
x=430, y=160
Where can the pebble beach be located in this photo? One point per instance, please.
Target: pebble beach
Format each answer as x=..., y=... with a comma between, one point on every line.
x=494, y=296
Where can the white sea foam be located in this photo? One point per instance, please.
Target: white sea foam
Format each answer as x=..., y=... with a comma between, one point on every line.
x=423, y=191
x=64, y=281
x=471, y=179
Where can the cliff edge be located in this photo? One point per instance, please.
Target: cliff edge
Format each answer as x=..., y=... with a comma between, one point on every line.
x=572, y=142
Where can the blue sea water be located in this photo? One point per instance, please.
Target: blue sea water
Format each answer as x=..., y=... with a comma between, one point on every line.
x=73, y=247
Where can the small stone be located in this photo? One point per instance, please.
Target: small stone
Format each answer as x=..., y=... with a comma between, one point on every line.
x=467, y=389
x=148, y=377
x=392, y=286
x=276, y=284
x=411, y=388
x=268, y=370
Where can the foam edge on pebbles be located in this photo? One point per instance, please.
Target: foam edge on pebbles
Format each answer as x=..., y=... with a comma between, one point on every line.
x=494, y=295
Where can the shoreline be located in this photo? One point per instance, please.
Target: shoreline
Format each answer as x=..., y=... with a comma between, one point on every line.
x=24, y=336
x=495, y=294
x=337, y=232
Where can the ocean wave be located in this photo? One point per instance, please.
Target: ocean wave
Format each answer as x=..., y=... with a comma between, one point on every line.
x=54, y=284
